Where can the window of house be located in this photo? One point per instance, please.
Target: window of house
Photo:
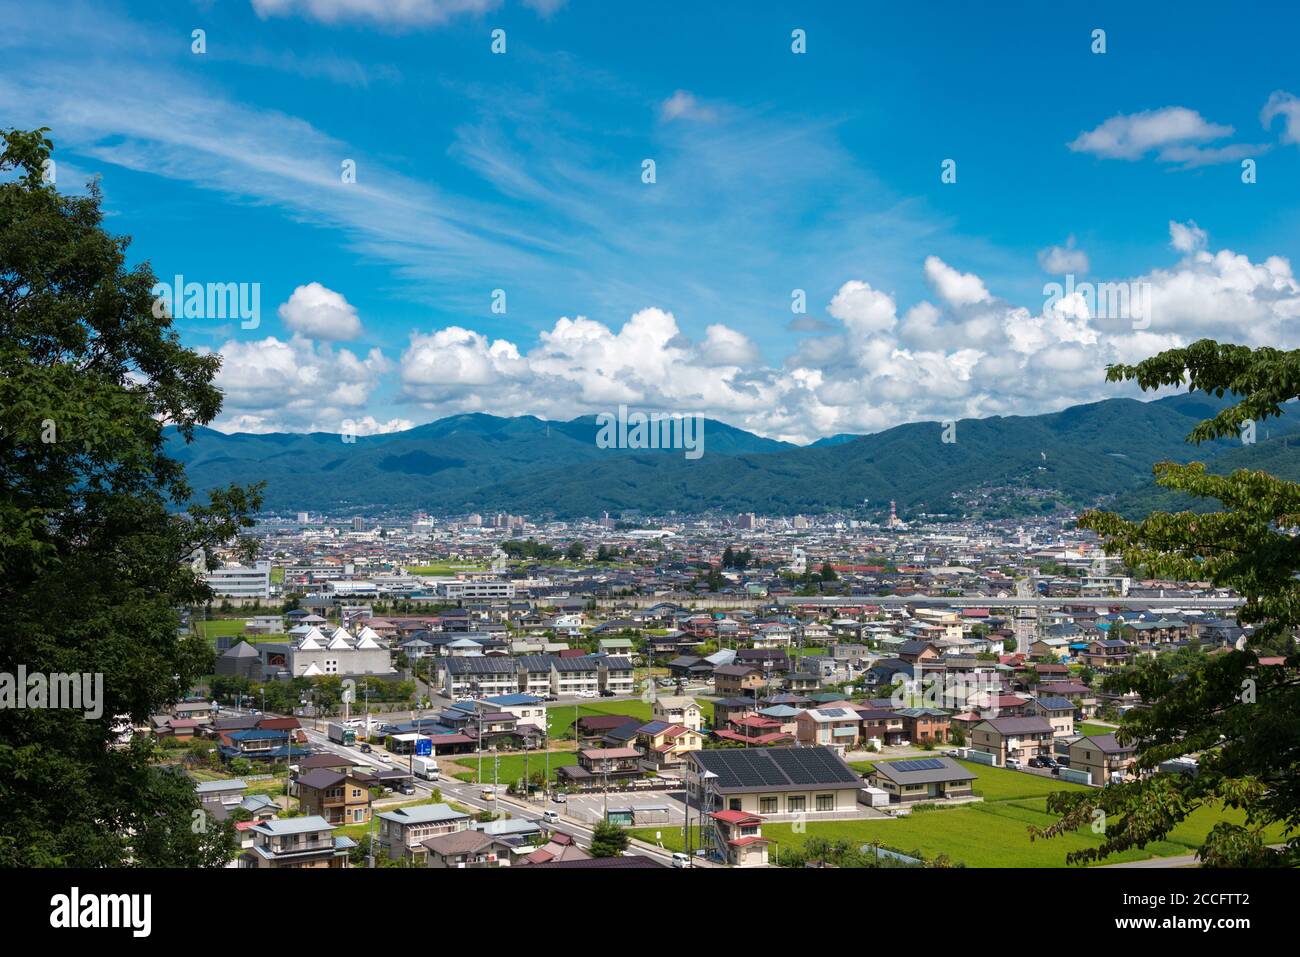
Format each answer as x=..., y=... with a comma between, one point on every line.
x=796, y=803
x=767, y=805
x=826, y=802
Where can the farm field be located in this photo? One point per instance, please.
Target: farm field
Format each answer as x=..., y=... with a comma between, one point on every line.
x=560, y=717
x=511, y=768
x=990, y=833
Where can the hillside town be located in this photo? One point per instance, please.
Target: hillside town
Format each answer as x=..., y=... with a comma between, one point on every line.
x=737, y=691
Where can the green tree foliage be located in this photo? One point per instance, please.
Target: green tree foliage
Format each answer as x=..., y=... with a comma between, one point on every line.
x=529, y=548
x=575, y=552
x=1239, y=715
x=608, y=840
x=95, y=552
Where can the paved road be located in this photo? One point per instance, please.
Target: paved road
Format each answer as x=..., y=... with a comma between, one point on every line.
x=469, y=795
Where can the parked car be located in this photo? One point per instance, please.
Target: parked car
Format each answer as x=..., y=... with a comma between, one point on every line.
x=607, y=693
x=558, y=797
x=1013, y=764
x=406, y=788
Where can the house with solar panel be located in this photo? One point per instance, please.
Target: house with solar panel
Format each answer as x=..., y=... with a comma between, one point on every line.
x=832, y=727
x=923, y=779
x=781, y=783
x=666, y=745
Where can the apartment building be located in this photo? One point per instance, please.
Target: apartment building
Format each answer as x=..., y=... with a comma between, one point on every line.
x=240, y=584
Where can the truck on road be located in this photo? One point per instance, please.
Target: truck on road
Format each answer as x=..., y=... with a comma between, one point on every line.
x=426, y=768
x=342, y=735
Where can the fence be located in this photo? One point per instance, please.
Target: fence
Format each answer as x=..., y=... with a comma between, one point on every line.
x=1073, y=776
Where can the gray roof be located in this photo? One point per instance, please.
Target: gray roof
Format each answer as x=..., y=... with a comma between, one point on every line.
x=924, y=771
x=1019, y=725
x=423, y=814
x=295, y=825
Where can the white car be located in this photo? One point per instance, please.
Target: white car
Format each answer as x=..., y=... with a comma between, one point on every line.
x=551, y=815
x=681, y=860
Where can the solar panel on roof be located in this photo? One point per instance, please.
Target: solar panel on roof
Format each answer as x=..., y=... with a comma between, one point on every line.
x=924, y=764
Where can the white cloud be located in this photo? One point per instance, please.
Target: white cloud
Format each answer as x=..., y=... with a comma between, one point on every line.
x=683, y=105
x=273, y=384
x=391, y=13
x=958, y=289
x=1060, y=260
x=1171, y=131
x=1187, y=237
x=1287, y=106
x=969, y=354
x=320, y=313
x=863, y=309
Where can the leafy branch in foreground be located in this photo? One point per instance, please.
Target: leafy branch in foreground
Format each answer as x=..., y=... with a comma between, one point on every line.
x=1239, y=714
x=96, y=531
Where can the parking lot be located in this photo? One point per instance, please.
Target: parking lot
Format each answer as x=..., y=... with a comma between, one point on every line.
x=590, y=808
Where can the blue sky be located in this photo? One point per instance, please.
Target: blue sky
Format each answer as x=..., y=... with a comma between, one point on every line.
x=775, y=172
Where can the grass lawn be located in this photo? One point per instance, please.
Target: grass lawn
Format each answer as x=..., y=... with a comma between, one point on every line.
x=991, y=833
x=1087, y=727
x=511, y=768
x=560, y=717
x=217, y=627
x=444, y=569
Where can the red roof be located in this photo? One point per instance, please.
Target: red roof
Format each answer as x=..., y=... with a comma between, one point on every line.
x=736, y=817
x=752, y=839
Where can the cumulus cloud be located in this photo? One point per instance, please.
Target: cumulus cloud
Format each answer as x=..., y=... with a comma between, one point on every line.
x=1175, y=133
x=862, y=309
x=273, y=384
x=1059, y=260
x=959, y=289
x=320, y=313
x=967, y=353
x=1187, y=237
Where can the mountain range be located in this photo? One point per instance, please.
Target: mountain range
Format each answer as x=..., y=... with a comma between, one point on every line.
x=1003, y=466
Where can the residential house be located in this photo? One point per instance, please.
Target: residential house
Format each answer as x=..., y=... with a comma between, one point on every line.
x=462, y=849
x=1057, y=710
x=923, y=779
x=666, y=745
x=924, y=724
x=838, y=728
x=403, y=831
x=737, y=680
x=1008, y=738
x=600, y=767
x=297, y=842
x=681, y=710
x=1104, y=758
x=337, y=796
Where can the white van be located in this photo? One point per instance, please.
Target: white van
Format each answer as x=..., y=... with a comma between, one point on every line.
x=681, y=860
